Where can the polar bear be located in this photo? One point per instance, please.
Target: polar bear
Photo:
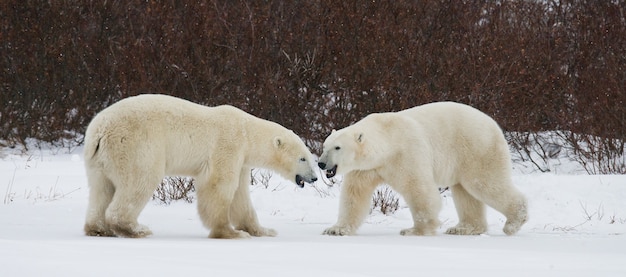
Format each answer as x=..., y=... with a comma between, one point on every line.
x=131, y=145
x=416, y=151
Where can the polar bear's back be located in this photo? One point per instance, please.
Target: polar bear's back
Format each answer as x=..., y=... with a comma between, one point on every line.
x=462, y=137
x=151, y=127
x=167, y=110
x=155, y=117
x=455, y=120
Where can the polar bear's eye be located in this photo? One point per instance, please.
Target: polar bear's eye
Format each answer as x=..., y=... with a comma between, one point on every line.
x=303, y=159
x=337, y=147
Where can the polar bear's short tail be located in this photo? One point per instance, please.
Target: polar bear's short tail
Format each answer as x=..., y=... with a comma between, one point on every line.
x=92, y=147
x=94, y=137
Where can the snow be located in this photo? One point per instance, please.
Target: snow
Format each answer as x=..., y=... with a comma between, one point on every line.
x=577, y=227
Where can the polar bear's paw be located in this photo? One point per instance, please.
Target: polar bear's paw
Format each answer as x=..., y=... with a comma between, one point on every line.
x=512, y=226
x=98, y=230
x=229, y=234
x=260, y=232
x=131, y=230
x=418, y=232
x=338, y=231
x=515, y=222
x=465, y=230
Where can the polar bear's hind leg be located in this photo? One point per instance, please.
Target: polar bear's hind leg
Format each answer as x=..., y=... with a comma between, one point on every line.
x=471, y=211
x=517, y=215
x=101, y=192
x=501, y=195
x=128, y=202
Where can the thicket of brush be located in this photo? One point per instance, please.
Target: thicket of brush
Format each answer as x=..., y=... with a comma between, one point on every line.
x=314, y=66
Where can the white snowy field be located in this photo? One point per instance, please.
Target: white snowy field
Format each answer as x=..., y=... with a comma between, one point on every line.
x=577, y=227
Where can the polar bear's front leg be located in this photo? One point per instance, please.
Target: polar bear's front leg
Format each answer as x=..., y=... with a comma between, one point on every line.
x=215, y=197
x=242, y=213
x=355, y=199
x=425, y=203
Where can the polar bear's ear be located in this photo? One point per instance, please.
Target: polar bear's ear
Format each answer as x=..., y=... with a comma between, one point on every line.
x=333, y=131
x=278, y=142
x=359, y=137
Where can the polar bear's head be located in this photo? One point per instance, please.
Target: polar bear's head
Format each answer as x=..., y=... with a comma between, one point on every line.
x=348, y=149
x=340, y=152
x=292, y=159
x=362, y=146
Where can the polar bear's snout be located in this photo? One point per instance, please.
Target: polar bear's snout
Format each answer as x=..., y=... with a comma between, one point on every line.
x=305, y=172
x=330, y=172
x=300, y=180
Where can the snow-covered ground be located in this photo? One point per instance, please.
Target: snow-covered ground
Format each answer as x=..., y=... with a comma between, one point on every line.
x=577, y=227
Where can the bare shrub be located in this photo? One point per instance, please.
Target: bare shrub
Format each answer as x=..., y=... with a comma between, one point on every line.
x=314, y=66
x=173, y=189
x=538, y=148
x=386, y=200
x=598, y=155
x=260, y=177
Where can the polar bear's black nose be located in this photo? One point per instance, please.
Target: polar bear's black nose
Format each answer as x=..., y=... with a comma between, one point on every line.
x=313, y=179
x=321, y=165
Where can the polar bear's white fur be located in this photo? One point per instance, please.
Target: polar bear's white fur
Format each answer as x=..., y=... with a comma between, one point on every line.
x=131, y=145
x=417, y=151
